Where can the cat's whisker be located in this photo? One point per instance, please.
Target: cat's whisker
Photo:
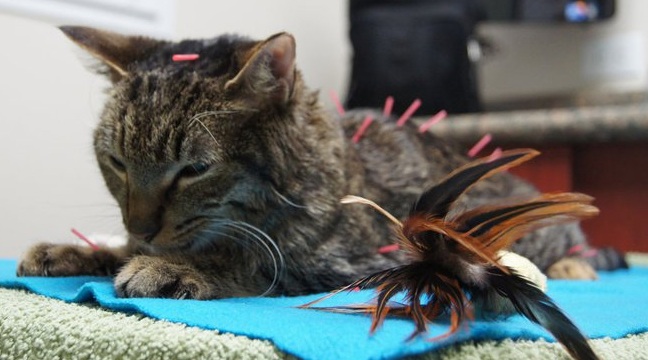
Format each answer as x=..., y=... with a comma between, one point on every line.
x=253, y=233
x=286, y=200
x=208, y=234
x=268, y=244
x=211, y=113
x=196, y=118
x=206, y=129
x=215, y=113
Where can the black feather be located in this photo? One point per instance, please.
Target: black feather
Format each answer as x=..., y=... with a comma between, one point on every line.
x=533, y=304
x=438, y=199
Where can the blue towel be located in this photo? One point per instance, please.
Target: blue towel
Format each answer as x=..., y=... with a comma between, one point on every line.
x=614, y=306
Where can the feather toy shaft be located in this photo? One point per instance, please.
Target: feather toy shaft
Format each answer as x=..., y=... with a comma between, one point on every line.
x=85, y=239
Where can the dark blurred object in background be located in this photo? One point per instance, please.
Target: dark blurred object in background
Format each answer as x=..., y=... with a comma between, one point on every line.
x=427, y=49
x=414, y=49
x=576, y=11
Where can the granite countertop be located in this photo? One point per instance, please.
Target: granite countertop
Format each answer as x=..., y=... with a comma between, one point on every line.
x=618, y=118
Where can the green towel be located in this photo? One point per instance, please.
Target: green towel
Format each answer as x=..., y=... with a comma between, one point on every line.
x=35, y=327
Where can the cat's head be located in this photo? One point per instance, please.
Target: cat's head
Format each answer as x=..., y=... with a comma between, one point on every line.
x=184, y=143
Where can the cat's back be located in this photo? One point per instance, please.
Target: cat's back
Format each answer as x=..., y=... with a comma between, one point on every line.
x=399, y=162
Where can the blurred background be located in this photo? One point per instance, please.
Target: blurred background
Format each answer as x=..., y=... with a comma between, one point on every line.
x=50, y=102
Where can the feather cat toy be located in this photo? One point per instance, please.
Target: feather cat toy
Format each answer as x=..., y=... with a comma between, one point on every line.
x=455, y=262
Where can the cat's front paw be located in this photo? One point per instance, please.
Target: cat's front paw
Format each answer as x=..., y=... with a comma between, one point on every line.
x=146, y=276
x=571, y=268
x=65, y=260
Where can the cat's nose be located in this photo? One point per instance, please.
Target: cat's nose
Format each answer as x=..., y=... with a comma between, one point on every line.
x=143, y=230
x=144, y=216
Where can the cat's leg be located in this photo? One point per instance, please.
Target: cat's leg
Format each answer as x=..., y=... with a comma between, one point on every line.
x=70, y=260
x=151, y=276
x=583, y=263
x=190, y=277
x=571, y=268
x=549, y=248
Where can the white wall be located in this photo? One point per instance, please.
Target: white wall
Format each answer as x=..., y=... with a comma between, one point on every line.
x=49, y=102
x=548, y=59
x=319, y=27
x=48, y=105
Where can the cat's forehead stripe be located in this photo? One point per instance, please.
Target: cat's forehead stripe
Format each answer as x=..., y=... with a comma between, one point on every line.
x=153, y=112
x=150, y=138
x=164, y=138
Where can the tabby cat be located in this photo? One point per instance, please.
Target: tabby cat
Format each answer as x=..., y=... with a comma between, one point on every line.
x=229, y=175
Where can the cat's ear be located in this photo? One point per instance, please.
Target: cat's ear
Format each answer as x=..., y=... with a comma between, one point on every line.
x=113, y=50
x=267, y=71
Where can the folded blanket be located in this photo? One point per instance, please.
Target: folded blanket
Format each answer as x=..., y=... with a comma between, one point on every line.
x=612, y=307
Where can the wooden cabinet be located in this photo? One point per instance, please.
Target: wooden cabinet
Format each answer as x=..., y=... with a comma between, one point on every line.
x=616, y=174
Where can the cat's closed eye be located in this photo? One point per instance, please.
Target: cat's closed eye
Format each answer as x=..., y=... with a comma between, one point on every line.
x=194, y=170
x=117, y=164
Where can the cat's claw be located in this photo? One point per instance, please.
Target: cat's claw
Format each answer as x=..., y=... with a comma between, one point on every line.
x=67, y=260
x=56, y=260
x=146, y=276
